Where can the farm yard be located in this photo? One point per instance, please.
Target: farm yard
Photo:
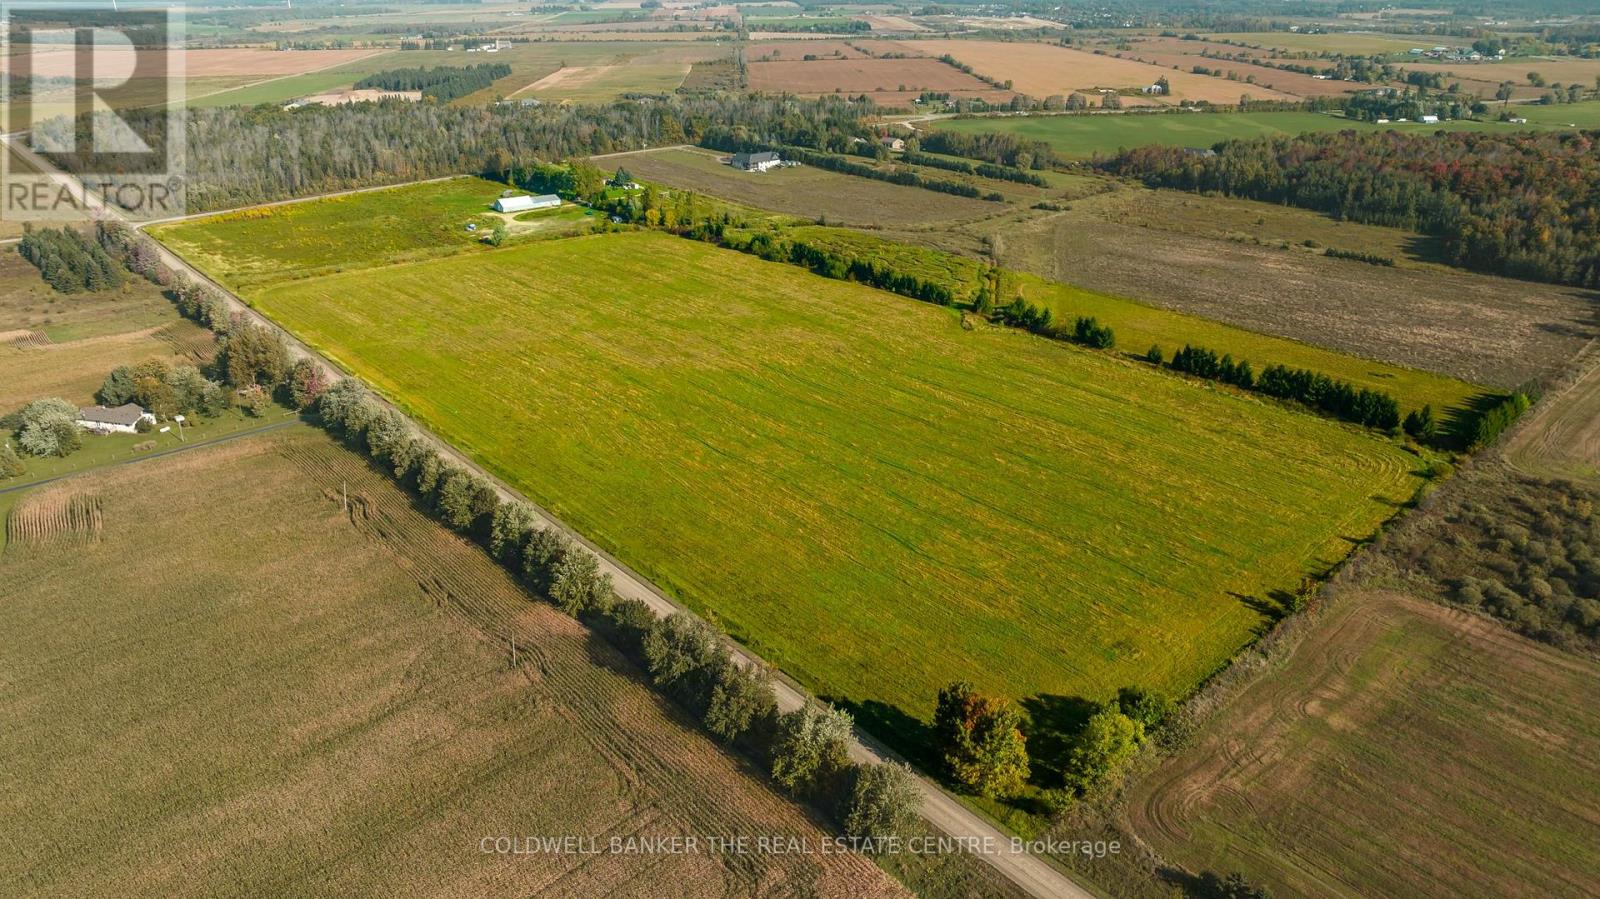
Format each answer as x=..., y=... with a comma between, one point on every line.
x=804, y=191
x=757, y=471
x=238, y=734
x=1394, y=712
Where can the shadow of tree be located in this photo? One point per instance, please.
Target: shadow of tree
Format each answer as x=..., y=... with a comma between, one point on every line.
x=1053, y=724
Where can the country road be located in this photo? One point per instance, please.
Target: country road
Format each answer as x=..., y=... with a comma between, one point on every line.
x=1032, y=874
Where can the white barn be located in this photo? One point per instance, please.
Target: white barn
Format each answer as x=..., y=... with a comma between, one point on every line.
x=525, y=203
x=122, y=419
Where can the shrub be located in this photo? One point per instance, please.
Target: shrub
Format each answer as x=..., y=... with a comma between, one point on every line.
x=1102, y=750
x=1148, y=707
x=1154, y=356
x=883, y=802
x=1089, y=332
x=811, y=749
x=10, y=465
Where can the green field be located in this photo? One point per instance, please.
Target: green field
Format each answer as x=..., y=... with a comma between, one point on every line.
x=874, y=497
x=273, y=243
x=1081, y=136
x=1139, y=326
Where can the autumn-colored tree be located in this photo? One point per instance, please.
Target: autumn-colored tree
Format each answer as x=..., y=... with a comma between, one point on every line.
x=981, y=738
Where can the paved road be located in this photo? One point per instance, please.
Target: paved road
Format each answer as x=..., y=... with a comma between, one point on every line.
x=943, y=811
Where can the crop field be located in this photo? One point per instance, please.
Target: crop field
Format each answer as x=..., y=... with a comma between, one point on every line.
x=804, y=191
x=1234, y=261
x=908, y=77
x=1404, y=749
x=846, y=479
x=1084, y=136
x=269, y=243
x=237, y=734
x=1363, y=43
x=1041, y=70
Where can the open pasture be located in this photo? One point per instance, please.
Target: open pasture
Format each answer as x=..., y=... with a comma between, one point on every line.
x=872, y=496
x=352, y=231
x=803, y=191
x=185, y=718
x=1043, y=70
x=1403, y=749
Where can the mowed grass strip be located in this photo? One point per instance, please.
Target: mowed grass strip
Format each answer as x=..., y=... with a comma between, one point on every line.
x=873, y=497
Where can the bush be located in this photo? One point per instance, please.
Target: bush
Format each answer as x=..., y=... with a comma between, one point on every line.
x=1148, y=707
x=811, y=749
x=1102, y=750
x=1154, y=356
x=1091, y=333
x=49, y=427
x=10, y=465
x=883, y=802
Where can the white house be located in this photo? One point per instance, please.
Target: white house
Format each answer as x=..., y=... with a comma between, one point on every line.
x=122, y=419
x=893, y=143
x=1430, y=120
x=525, y=203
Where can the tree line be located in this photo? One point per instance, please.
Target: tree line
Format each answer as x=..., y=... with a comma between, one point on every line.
x=994, y=147
x=1337, y=398
x=844, y=165
x=68, y=261
x=442, y=83
x=985, y=169
x=1523, y=204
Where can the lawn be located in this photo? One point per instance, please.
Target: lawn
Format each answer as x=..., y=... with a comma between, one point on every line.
x=1081, y=136
x=272, y=243
x=257, y=670
x=875, y=498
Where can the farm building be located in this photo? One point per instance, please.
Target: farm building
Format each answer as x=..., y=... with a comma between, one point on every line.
x=755, y=162
x=122, y=419
x=893, y=143
x=525, y=203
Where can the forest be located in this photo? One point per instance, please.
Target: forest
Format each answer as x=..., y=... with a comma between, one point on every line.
x=443, y=83
x=242, y=156
x=1524, y=204
x=68, y=261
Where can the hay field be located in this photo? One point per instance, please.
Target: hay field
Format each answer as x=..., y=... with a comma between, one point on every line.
x=185, y=718
x=1403, y=749
x=804, y=191
x=1040, y=70
x=1223, y=259
x=353, y=231
x=866, y=76
x=875, y=498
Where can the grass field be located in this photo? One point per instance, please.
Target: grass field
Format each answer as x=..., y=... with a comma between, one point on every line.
x=1082, y=136
x=1138, y=326
x=1404, y=749
x=804, y=191
x=873, y=497
x=185, y=718
x=270, y=243
x=1363, y=43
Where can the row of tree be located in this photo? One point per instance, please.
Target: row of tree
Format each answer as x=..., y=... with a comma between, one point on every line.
x=442, y=83
x=984, y=169
x=1524, y=204
x=805, y=751
x=1335, y=397
x=844, y=165
x=68, y=261
x=994, y=147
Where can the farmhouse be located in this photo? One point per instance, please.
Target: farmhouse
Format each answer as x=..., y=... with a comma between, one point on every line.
x=1430, y=120
x=525, y=203
x=893, y=143
x=122, y=419
x=755, y=162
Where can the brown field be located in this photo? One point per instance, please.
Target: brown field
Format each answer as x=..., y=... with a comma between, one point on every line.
x=805, y=191
x=1560, y=438
x=75, y=370
x=1222, y=259
x=1404, y=749
x=1565, y=71
x=864, y=76
x=1040, y=70
x=212, y=63
x=791, y=50
x=1185, y=55
x=893, y=23
x=211, y=726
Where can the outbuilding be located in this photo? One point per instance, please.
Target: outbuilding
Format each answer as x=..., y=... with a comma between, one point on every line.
x=122, y=419
x=525, y=203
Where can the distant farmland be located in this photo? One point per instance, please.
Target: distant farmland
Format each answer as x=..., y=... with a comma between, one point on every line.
x=1082, y=136
x=239, y=732
x=873, y=497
